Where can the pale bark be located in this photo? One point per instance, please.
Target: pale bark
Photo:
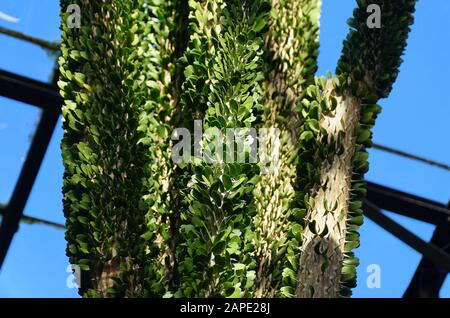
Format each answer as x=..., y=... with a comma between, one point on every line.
x=330, y=206
x=286, y=80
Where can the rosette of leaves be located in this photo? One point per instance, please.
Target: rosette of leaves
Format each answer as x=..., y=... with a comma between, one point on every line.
x=222, y=85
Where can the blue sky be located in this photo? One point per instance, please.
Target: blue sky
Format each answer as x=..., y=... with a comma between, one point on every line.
x=414, y=119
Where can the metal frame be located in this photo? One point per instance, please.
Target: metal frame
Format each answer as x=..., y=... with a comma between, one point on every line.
x=429, y=275
x=46, y=97
x=435, y=263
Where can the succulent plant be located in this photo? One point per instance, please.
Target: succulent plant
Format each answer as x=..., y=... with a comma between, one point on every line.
x=227, y=223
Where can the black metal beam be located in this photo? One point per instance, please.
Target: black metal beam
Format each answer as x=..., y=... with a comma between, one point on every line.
x=429, y=277
x=407, y=204
x=14, y=211
x=41, y=95
x=429, y=250
x=29, y=91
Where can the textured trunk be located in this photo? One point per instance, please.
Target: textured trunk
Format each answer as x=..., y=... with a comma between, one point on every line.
x=217, y=253
x=322, y=250
x=293, y=28
x=158, y=118
x=120, y=85
x=103, y=160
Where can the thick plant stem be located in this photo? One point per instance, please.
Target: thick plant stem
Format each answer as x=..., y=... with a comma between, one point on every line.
x=324, y=238
x=103, y=87
x=287, y=75
x=332, y=166
x=371, y=57
x=222, y=87
x=117, y=80
x=157, y=120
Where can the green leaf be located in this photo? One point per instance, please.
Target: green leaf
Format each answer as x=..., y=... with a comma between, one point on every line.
x=260, y=24
x=236, y=293
x=287, y=291
x=363, y=136
x=227, y=181
x=297, y=231
x=306, y=135
x=80, y=78
x=299, y=214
